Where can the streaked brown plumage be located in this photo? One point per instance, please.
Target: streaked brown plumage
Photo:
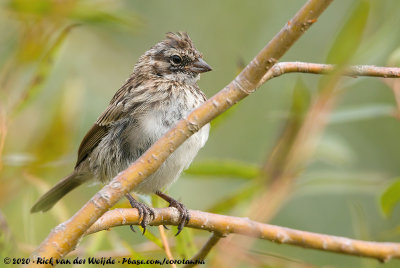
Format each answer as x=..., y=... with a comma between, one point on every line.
x=161, y=91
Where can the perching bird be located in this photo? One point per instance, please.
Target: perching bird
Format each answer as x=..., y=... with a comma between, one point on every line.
x=161, y=90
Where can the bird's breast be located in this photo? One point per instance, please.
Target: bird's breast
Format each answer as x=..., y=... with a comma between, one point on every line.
x=155, y=124
x=168, y=112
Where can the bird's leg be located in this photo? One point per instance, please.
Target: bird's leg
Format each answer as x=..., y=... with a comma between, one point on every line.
x=146, y=213
x=184, y=213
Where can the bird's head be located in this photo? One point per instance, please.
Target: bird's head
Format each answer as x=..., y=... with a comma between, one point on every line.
x=174, y=58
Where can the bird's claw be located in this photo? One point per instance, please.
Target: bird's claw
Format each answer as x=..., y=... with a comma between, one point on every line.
x=184, y=215
x=146, y=213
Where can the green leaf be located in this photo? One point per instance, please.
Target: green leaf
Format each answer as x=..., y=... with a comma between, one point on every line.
x=277, y=159
x=360, y=221
x=149, y=235
x=348, y=39
x=228, y=113
x=88, y=15
x=334, y=150
x=347, y=180
x=224, y=168
x=394, y=58
x=38, y=7
x=390, y=197
x=235, y=198
x=223, y=117
x=96, y=242
x=365, y=112
x=301, y=100
x=42, y=72
x=185, y=245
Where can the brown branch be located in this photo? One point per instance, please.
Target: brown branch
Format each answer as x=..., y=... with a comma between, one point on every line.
x=166, y=245
x=65, y=236
x=202, y=254
x=317, y=68
x=225, y=225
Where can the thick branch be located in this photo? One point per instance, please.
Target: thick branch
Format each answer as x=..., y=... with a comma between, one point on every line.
x=65, y=237
x=221, y=224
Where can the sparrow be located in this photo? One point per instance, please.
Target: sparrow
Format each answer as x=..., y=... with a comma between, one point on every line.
x=161, y=91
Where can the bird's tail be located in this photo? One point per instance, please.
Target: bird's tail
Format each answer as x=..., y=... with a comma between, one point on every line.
x=52, y=196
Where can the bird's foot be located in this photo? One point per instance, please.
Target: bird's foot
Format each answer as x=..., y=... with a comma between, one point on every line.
x=146, y=213
x=184, y=215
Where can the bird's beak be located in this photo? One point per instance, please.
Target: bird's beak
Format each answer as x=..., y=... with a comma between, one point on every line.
x=200, y=66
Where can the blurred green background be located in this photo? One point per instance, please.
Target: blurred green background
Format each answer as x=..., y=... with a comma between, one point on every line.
x=62, y=61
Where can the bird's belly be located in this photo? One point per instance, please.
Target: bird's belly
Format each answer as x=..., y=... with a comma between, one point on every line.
x=178, y=161
x=154, y=126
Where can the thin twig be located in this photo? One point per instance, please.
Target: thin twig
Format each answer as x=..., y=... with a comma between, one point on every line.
x=317, y=68
x=202, y=254
x=166, y=245
x=224, y=225
x=64, y=237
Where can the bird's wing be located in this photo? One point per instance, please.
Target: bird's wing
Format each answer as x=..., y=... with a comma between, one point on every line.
x=90, y=141
x=100, y=129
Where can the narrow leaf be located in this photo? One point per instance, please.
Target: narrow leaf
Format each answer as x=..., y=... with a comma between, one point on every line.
x=42, y=72
x=348, y=39
x=223, y=117
x=224, y=168
x=390, y=197
x=278, y=157
x=149, y=235
x=228, y=113
x=235, y=198
x=362, y=113
x=87, y=15
x=185, y=245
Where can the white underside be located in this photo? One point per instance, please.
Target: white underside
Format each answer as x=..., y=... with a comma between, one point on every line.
x=153, y=127
x=178, y=161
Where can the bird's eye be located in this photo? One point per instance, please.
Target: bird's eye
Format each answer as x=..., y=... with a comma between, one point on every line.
x=176, y=59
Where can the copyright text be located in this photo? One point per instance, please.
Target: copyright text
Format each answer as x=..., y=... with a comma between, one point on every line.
x=98, y=261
